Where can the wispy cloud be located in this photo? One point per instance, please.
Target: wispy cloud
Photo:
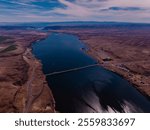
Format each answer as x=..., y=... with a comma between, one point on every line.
x=69, y=10
x=73, y=9
x=16, y=3
x=125, y=8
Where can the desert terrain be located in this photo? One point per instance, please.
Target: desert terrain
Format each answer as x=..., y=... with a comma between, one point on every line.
x=123, y=50
x=23, y=86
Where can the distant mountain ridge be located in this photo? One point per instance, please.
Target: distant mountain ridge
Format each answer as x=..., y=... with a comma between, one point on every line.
x=63, y=25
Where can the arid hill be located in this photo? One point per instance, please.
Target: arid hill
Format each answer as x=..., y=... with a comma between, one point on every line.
x=23, y=87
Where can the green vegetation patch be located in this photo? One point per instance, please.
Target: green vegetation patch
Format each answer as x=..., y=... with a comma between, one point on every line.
x=9, y=48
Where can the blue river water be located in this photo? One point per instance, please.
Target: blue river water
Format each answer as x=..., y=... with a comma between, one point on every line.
x=92, y=89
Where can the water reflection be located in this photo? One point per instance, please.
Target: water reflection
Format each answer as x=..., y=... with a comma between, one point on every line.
x=90, y=90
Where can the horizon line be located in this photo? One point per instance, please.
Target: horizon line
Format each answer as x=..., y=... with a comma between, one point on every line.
x=26, y=22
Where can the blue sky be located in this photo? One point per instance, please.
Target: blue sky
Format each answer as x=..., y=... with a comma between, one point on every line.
x=74, y=10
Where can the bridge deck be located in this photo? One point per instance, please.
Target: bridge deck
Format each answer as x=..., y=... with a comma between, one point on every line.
x=70, y=70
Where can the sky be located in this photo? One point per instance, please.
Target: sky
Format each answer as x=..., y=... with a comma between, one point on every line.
x=74, y=10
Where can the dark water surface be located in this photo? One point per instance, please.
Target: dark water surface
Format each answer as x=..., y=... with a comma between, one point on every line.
x=93, y=89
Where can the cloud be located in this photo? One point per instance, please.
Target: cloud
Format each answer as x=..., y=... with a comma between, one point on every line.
x=16, y=2
x=124, y=9
x=129, y=3
x=75, y=10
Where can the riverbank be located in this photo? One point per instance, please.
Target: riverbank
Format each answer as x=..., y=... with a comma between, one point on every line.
x=76, y=86
x=139, y=81
x=128, y=69
x=136, y=72
x=123, y=51
x=23, y=86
